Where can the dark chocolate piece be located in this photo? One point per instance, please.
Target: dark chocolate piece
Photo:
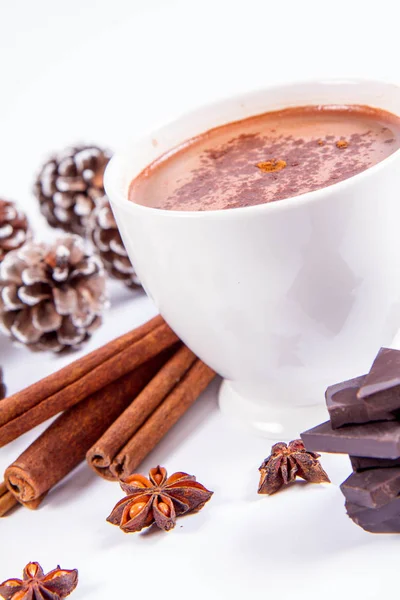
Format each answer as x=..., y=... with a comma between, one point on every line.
x=379, y=439
x=388, y=400
x=383, y=376
x=360, y=463
x=345, y=407
x=372, y=488
x=369, y=516
x=389, y=526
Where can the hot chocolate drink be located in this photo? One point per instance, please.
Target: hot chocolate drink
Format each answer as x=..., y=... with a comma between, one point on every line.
x=268, y=157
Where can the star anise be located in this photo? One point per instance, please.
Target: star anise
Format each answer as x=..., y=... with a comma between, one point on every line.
x=286, y=462
x=35, y=585
x=157, y=499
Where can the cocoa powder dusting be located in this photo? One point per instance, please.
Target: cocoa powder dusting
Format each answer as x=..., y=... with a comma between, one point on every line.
x=269, y=157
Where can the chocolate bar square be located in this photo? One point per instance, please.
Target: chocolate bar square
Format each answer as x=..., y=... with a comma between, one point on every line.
x=360, y=463
x=378, y=439
x=381, y=385
x=372, y=488
x=345, y=407
x=370, y=516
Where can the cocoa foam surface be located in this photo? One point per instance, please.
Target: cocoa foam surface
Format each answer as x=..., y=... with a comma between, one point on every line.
x=268, y=157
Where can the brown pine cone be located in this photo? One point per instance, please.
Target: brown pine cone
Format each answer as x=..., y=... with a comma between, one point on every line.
x=68, y=186
x=106, y=238
x=52, y=296
x=14, y=228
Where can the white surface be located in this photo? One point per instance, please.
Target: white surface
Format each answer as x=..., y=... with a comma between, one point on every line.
x=274, y=297
x=158, y=62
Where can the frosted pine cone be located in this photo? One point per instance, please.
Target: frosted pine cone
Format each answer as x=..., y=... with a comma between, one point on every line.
x=69, y=185
x=52, y=296
x=14, y=229
x=107, y=240
x=2, y=386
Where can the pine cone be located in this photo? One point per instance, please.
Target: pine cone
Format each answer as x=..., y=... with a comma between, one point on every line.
x=69, y=185
x=14, y=229
x=3, y=390
x=52, y=296
x=105, y=236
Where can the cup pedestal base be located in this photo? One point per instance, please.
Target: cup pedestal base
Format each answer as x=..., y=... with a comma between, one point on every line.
x=269, y=418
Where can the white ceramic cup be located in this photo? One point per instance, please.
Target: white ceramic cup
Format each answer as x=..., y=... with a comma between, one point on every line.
x=281, y=299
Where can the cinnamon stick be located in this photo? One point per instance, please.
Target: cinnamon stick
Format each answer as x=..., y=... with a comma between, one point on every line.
x=102, y=454
x=164, y=417
x=64, y=444
x=142, y=350
x=22, y=401
x=7, y=502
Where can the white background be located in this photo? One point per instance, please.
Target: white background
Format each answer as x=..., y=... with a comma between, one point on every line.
x=104, y=72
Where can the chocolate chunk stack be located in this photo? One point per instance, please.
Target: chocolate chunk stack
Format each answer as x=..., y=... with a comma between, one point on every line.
x=365, y=423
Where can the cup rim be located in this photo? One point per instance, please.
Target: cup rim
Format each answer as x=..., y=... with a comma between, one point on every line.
x=114, y=168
